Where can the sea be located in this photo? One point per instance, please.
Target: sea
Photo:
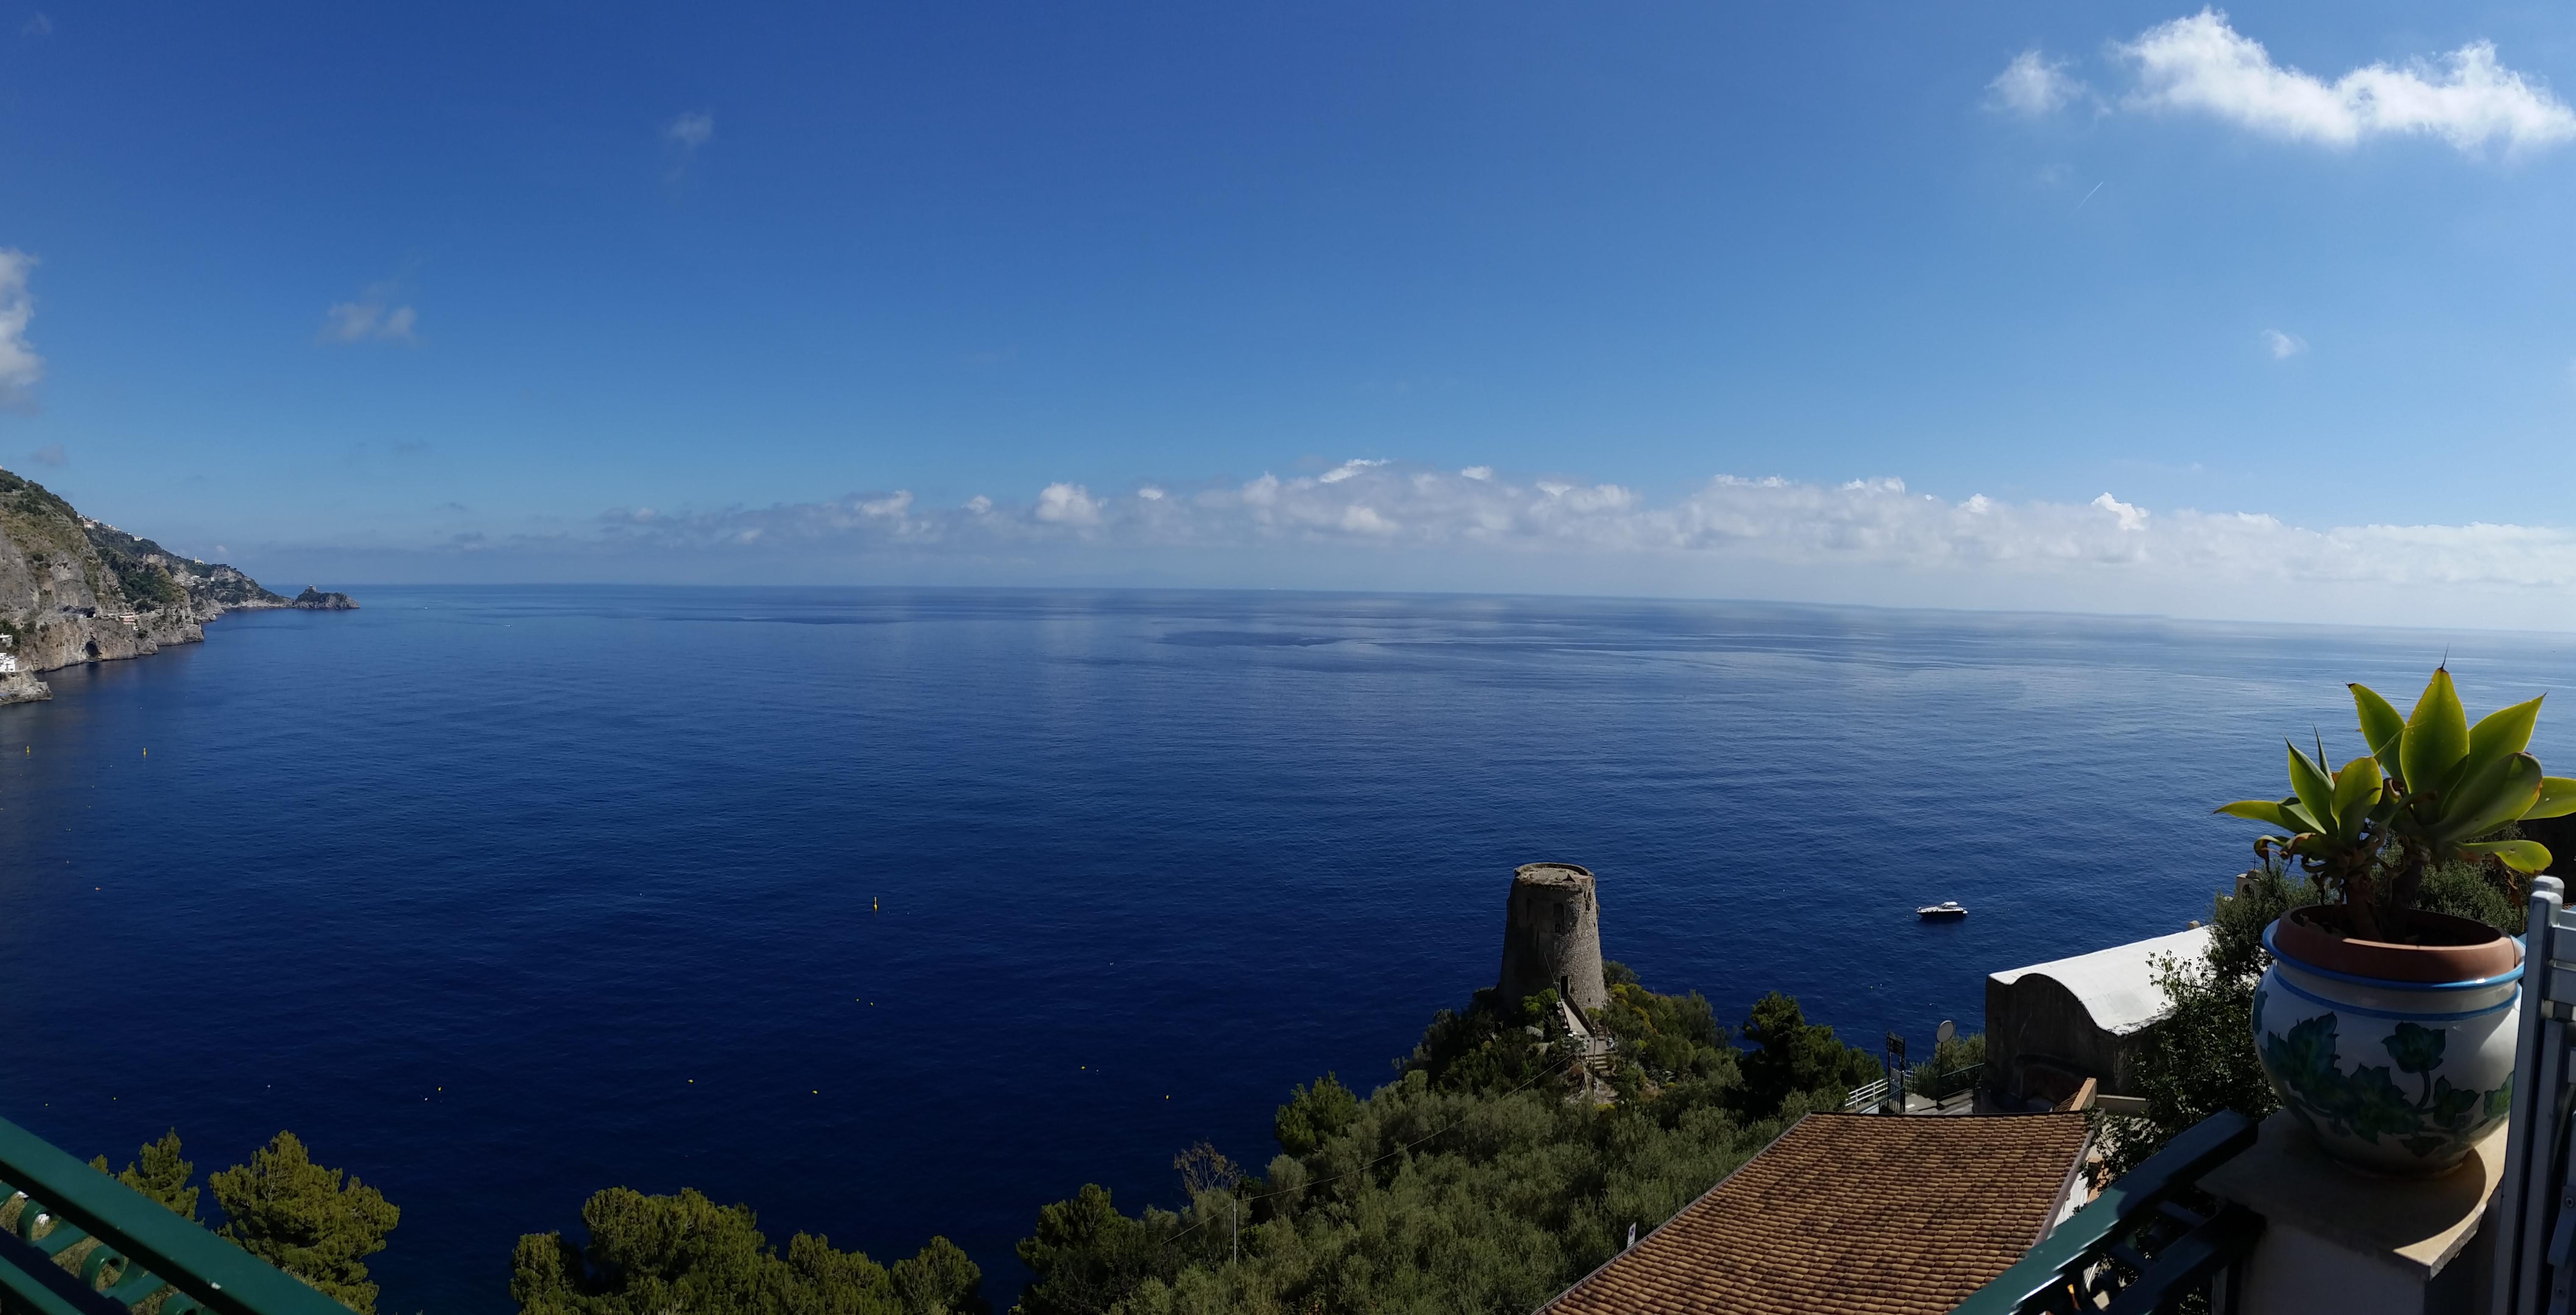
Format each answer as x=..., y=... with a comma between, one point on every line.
x=897, y=912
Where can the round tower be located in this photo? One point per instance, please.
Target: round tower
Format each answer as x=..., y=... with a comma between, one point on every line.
x=1552, y=936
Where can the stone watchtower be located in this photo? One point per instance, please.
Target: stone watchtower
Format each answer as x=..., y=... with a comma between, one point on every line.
x=1552, y=937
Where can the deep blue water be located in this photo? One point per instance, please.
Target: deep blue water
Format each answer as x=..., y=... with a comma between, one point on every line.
x=899, y=912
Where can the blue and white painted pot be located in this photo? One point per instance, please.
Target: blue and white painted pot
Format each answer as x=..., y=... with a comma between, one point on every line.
x=2397, y=1076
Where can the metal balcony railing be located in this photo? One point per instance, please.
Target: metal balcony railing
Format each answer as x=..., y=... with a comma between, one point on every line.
x=2147, y=1243
x=74, y=1241
x=1938, y=1088
x=1941, y=1085
x=2533, y=1217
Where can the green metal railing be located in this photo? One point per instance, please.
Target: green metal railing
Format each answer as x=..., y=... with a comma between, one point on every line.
x=1940, y=1086
x=74, y=1241
x=2138, y=1247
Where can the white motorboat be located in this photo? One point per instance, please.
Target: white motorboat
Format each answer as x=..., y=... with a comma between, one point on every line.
x=1948, y=908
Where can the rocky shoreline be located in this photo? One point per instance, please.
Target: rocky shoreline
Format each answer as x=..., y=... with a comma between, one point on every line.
x=76, y=590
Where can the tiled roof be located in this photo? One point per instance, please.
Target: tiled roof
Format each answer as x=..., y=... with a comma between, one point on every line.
x=1861, y=1213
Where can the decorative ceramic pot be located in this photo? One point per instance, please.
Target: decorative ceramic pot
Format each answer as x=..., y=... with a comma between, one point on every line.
x=2399, y=1057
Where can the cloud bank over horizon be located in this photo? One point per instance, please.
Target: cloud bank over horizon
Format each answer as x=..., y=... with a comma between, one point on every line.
x=1369, y=524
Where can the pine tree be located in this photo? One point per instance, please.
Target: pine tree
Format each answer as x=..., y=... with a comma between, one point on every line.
x=937, y=1280
x=1792, y=1055
x=161, y=1175
x=298, y=1216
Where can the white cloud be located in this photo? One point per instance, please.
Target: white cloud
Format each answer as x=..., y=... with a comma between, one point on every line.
x=2283, y=346
x=1067, y=504
x=1150, y=494
x=690, y=131
x=2033, y=87
x=687, y=134
x=1478, y=472
x=1347, y=469
x=1366, y=520
x=2467, y=98
x=20, y=367
x=2132, y=519
x=373, y=315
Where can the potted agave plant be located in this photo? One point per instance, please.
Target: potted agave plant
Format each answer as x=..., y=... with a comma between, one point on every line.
x=2387, y=1029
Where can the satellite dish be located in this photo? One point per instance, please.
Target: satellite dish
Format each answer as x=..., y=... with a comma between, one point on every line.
x=1948, y=1030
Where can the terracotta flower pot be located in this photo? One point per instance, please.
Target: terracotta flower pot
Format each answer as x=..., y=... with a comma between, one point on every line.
x=2397, y=1055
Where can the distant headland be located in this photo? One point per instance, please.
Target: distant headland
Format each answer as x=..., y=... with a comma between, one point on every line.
x=74, y=590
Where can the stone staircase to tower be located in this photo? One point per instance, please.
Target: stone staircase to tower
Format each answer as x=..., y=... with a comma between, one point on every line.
x=1596, y=1058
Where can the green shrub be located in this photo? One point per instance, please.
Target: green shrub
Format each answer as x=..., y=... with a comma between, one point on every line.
x=2200, y=1059
x=1315, y=1115
x=686, y=1255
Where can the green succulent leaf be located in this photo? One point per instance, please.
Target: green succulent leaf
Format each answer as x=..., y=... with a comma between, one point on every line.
x=2316, y=790
x=2266, y=811
x=2499, y=793
x=2300, y=818
x=2437, y=735
x=2356, y=791
x=2383, y=732
x=2521, y=855
x=2503, y=731
x=2557, y=798
x=2317, y=845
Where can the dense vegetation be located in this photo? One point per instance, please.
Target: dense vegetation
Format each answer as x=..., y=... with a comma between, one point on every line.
x=148, y=573
x=147, y=586
x=666, y=1255
x=684, y=1254
x=1493, y=1172
x=1487, y=1177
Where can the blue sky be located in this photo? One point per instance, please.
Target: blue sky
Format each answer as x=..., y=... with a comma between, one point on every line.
x=2255, y=312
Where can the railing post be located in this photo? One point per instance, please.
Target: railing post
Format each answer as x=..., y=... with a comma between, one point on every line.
x=2522, y=1194
x=2077, y=1252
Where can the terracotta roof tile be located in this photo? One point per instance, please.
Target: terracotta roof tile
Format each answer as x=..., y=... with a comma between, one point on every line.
x=1859, y=1213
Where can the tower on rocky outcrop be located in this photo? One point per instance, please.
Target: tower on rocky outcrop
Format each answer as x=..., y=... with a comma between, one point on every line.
x=1552, y=936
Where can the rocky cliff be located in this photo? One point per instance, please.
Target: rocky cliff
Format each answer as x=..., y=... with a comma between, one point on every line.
x=316, y=600
x=74, y=589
